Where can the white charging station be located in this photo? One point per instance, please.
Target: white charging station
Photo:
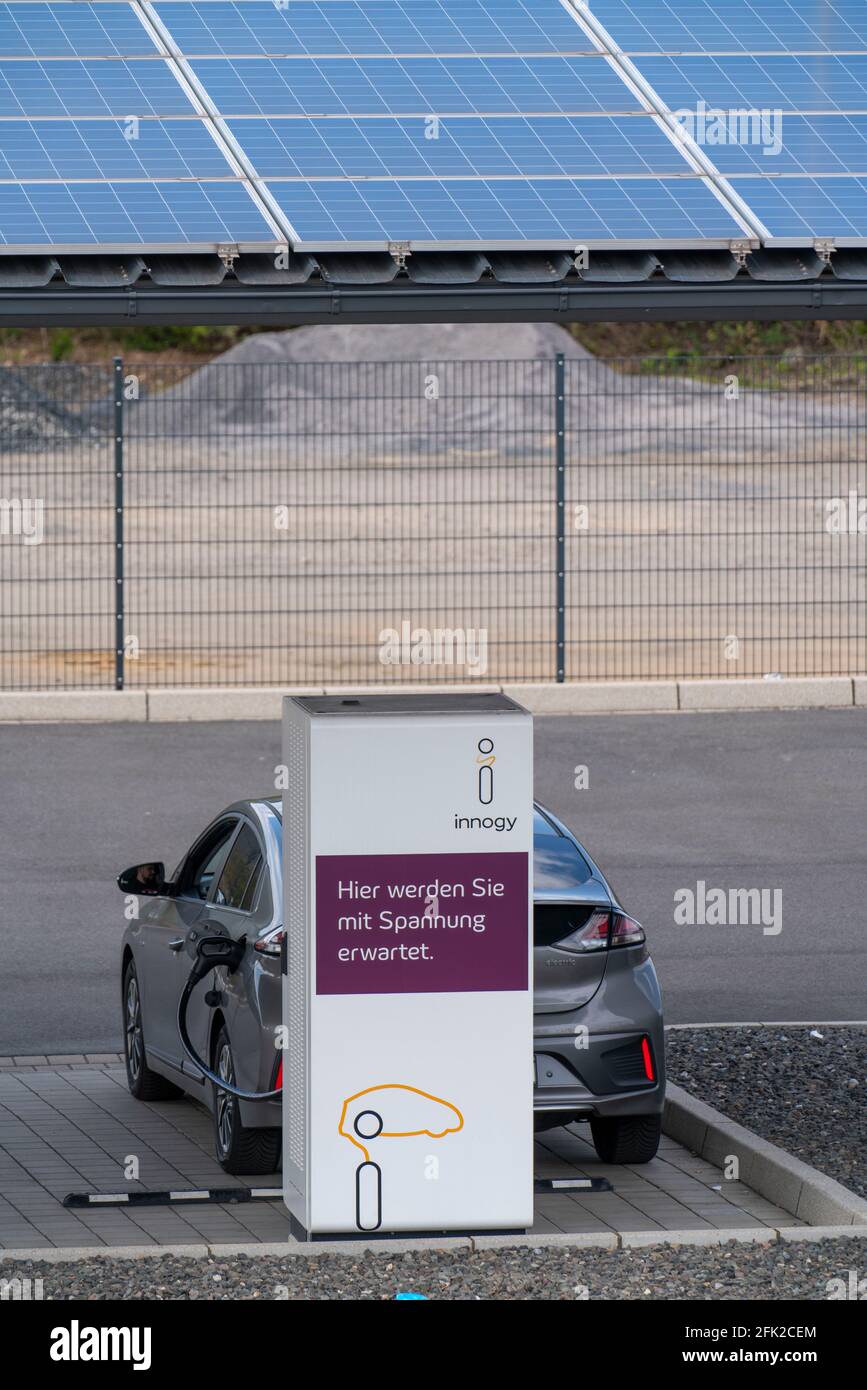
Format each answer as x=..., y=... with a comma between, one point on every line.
x=407, y=993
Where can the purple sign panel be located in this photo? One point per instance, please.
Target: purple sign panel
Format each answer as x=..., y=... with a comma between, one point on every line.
x=421, y=923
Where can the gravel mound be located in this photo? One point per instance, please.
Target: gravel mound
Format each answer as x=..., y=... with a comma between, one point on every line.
x=802, y=1088
x=494, y=387
x=422, y=342
x=660, y=1272
x=372, y=387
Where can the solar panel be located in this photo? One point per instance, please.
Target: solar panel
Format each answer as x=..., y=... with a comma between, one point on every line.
x=385, y=26
x=797, y=210
x=365, y=148
x=799, y=145
x=71, y=28
x=738, y=26
x=67, y=150
x=412, y=86
x=34, y=216
x=70, y=87
x=488, y=147
x=333, y=213
x=809, y=83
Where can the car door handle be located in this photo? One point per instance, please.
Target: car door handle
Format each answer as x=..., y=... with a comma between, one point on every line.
x=176, y=945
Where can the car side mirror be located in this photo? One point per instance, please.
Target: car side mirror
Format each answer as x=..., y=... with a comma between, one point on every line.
x=147, y=880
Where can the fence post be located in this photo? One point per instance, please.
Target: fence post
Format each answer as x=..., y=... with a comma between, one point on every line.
x=560, y=544
x=118, y=524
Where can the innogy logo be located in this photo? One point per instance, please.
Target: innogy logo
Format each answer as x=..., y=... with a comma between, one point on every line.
x=485, y=760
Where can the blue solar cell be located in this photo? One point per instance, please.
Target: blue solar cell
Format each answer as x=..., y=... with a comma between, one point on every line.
x=744, y=26
x=67, y=29
x=551, y=211
x=457, y=146
x=412, y=86
x=796, y=144
x=804, y=84
x=376, y=26
x=130, y=214
x=801, y=209
x=109, y=150
x=111, y=87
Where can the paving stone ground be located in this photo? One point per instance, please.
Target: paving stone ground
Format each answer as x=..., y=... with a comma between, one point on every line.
x=71, y=1126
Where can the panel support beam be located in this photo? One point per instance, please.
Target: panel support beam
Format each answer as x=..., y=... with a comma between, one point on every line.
x=59, y=305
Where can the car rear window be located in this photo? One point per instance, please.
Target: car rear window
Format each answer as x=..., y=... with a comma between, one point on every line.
x=557, y=861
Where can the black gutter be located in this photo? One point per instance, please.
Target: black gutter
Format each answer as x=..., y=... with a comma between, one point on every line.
x=61, y=305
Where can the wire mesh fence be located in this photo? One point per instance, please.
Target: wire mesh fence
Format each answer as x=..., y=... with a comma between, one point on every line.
x=365, y=523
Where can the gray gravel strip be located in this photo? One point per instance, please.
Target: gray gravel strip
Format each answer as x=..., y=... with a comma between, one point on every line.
x=804, y=1089
x=661, y=1272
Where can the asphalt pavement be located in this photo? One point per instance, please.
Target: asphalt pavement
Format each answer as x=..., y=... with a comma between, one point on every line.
x=769, y=801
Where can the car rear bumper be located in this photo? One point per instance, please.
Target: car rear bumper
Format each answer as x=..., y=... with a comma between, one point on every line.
x=607, y=1075
x=591, y=1061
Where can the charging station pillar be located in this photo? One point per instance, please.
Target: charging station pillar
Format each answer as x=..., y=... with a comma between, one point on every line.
x=408, y=974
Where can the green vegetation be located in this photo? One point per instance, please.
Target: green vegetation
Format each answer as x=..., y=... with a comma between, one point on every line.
x=791, y=352
x=721, y=341
x=194, y=343
x=773, y=355
x=62, y=344
x=198, y=338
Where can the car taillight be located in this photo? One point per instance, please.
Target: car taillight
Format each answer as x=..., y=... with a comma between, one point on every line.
x=602, y=930
x=648, y=1060
x=626, y=931
x=593, y=936
x=270, y=944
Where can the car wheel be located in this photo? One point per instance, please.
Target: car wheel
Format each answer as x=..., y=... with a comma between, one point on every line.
x=143, y=1083
x=630, y=1139
x=239, y=1149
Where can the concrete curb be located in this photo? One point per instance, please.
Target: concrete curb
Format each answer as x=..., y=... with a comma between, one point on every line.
x=759, y=1023
x=73, y=706
x=817, y=1233
x=580, y=1240
x=740, y=1235
x=596, y=697
x=767, y=1169
x=813, y=693
x=607, y=1240
x=229, y=703
x=577, y=697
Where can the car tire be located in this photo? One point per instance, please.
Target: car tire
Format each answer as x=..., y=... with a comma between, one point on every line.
x=628, y=1139
x=143, y=1083
x=238, y=1148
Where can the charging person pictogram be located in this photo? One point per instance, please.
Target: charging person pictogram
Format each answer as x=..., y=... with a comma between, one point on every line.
x=411, y=1113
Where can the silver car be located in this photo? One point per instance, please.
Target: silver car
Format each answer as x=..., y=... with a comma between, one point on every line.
x=598, y=1014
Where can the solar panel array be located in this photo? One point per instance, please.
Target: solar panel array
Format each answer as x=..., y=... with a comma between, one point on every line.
x=448, y=124
x=796, y=69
